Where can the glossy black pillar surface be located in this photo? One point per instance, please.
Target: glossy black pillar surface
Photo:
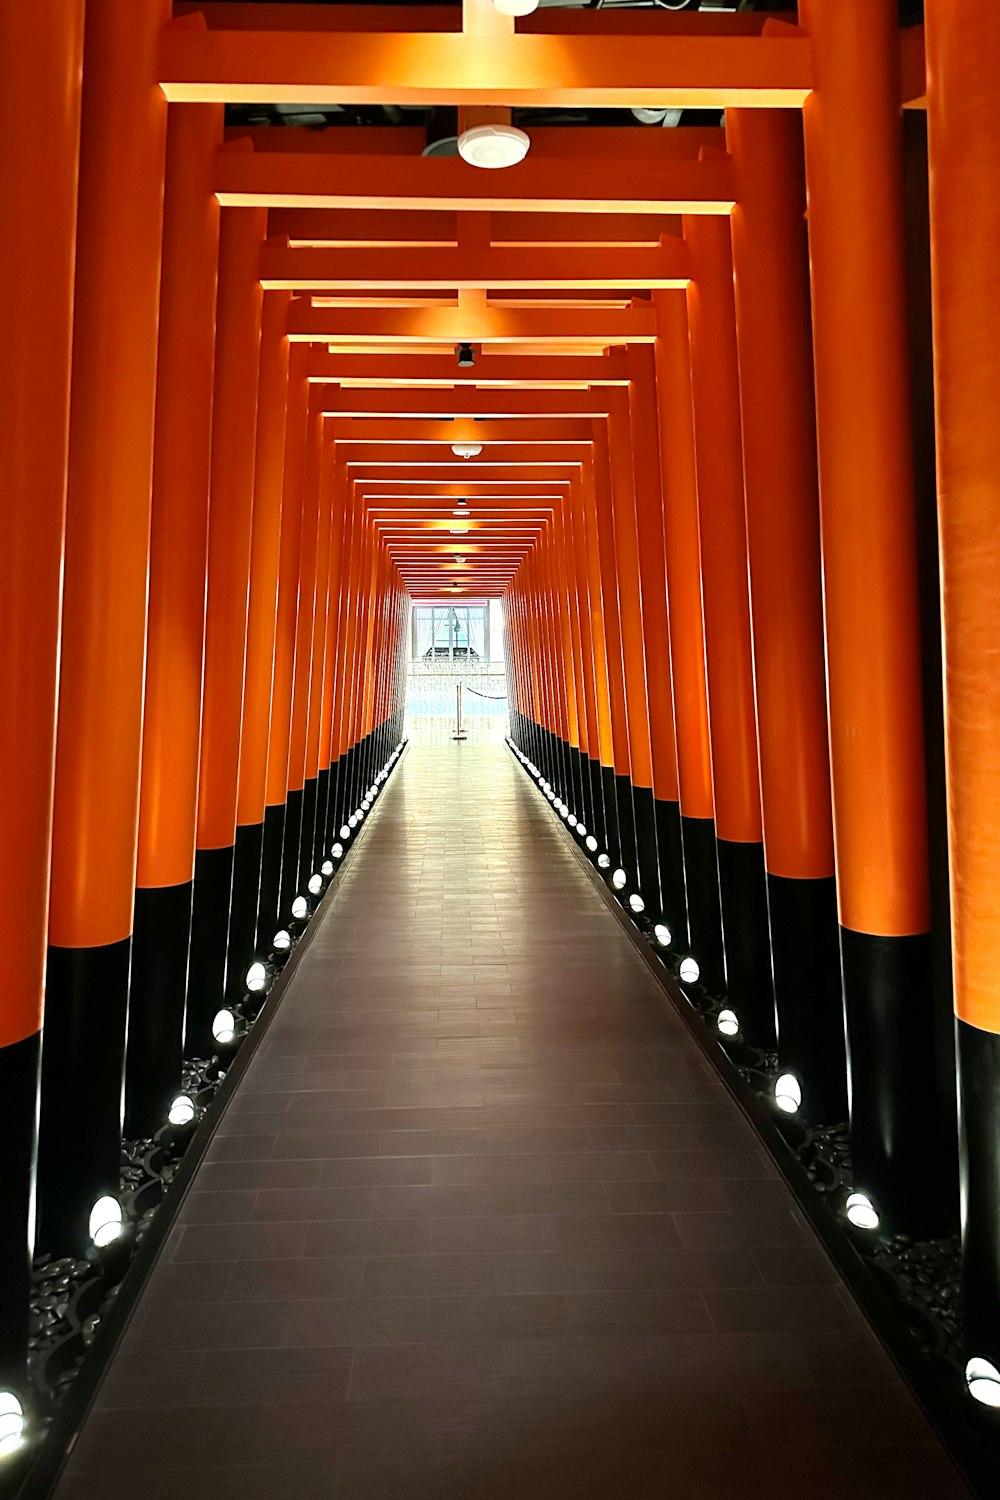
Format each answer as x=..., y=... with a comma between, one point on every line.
x=213, y=885
x=161, y=941
x=805, y=951
x=746, y=939
x=83, y=1066
x=19, y=1077
x=701, y=869
x=270, y=876
x=247, y=857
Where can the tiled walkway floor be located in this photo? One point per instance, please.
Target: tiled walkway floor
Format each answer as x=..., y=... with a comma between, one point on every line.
x=481, y=1223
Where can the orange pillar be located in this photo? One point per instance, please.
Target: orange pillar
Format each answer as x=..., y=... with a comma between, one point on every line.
x=964, y=142
x=308, y=864
x=640, y=802
x=171, y=736
x=770, y=258
x=595, y=673
x=338, y=765
x=234, y=419
x=854, y=191
x=597, y=487
x=325, y=810
x=682, y=553
x=291, y=885
x=258, y=677
x=656, y=637
x=94, y=835
x=279, y=732
x=40, y=62
x=585, y=526
x=726, y=608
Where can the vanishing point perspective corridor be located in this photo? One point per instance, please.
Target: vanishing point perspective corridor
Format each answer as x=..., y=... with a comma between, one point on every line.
x=480, y=1222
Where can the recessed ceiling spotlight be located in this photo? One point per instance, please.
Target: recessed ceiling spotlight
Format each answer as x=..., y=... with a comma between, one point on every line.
x=464, y=353
x=493, y=146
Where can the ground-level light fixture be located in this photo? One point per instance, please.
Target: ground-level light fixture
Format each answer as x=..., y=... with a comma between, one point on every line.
x=337, y=851
x=689, y=971
x=315, y=885
x=326, y=868
x=493, y=147
x=352, y=821
x=663, y=935
x=345, y=831
x=11, y=1423
x=105, y=1224
x=619, y=879
x=787, y=1093
x=604, y=861
x=181, y=1110
x=862, y=1213
x=572, y=820
x=224, y=1027
x=982, y=1380
x=636, y=903
x=256, y=979
x=728, y=1023
x=591, y=843
x=300, y=908
x=282, y=941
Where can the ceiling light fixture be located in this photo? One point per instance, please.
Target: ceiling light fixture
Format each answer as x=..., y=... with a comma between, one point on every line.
x=493, y=146
x=466, y=450
x=515, y=7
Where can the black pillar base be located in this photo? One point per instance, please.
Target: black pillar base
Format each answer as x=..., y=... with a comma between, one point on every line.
x=645, y=843
x=213, y=886
x=614, y=844
x=746, y=939
x=290, y=857
x=670, y=858
x=332, y=805
x=83, y=1066
x=979, y=1086
x=247, y=854
x=270, y=877
x=896, y=1141
x=626, y=826
x=808, y=992
x=701, y=865
x=597, y=825
x=321, y=845
x=19, y=1073
x=308, y=831
x=161, y=940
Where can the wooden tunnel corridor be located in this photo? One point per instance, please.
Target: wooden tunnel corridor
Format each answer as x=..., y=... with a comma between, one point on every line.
x=500, y=749
x=480, y=1222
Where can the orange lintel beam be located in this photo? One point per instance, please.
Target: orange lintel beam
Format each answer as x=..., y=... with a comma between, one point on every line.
x=542, y=430
x=394, y=142
x=522, y=370
x=439, y=226
x=433, y=405
x=246, y=178
x=484, y=324
x=657, y=69
x=666, y=268
x=235, y=15
x=422, y=461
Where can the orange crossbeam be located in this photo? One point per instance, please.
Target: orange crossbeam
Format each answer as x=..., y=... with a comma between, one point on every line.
x=658, y=68
x=483, y=324
x=437, y=404
x=375, y=269
x=518, y=370
x=310, y=179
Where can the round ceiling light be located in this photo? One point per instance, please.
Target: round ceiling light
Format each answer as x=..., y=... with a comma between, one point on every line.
x=493, y=146
x=515, y=7
x=466, y=450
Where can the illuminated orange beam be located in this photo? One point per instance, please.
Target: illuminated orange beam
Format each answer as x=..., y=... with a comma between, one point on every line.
x=423, y=405
x=421, y=459
x=524, y=370
x=666, y=268
x=311, y=179
x=440, y=227
x=498, y=481
x=475, y=325
x=403, y=430
x=395, y=142
x=661, y=67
